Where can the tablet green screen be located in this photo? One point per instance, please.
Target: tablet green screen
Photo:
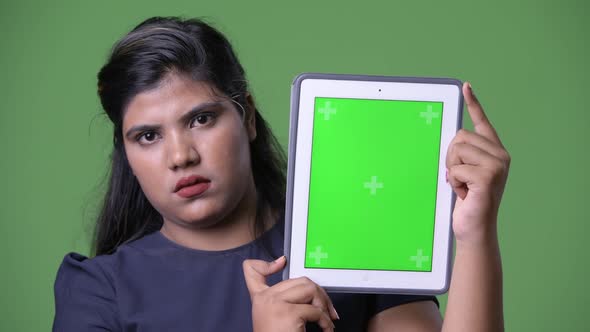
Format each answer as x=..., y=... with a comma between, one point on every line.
x=372, y=197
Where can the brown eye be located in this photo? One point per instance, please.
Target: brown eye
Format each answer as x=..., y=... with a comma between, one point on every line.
x=147, y=137
x=202, y=119
x=150, y=136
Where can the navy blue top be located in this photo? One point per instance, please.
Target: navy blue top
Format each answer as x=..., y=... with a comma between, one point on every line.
x=155, y=284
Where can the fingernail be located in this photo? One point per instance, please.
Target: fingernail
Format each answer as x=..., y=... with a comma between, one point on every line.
x=336, y=313
x=278, y=260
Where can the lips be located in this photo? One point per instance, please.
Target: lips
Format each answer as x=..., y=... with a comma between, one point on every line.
x=192, y=186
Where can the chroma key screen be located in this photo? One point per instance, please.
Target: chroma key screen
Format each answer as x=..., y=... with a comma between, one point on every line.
x=372, y=195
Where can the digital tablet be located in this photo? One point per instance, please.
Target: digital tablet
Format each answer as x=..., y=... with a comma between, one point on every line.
x=368, y=207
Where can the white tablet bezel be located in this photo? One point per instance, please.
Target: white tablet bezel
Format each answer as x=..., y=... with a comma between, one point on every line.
x=305, y=89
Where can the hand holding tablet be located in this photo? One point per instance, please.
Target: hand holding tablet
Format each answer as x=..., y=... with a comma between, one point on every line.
x=368, y=208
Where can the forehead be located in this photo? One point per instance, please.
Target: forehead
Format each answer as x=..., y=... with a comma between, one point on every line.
x=174, y=95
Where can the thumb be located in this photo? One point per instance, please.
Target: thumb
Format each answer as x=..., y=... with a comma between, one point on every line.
x=256, y=271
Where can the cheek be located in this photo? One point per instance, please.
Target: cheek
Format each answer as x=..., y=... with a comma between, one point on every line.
x=240, y=150
x=232, y=151
x=144, y=165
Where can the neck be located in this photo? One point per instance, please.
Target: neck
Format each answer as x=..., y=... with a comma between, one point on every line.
x=236, y=229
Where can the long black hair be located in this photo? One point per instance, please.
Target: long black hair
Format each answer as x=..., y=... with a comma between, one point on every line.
x=138, y=62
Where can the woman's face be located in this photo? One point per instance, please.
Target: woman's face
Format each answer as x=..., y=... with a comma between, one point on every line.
x=189, y=149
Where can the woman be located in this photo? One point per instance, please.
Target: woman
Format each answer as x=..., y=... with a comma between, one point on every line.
x=192, y=222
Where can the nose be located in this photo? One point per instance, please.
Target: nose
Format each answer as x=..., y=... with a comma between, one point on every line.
x=181, y=151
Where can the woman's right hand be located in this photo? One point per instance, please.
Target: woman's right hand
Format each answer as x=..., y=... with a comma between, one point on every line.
x=288, y=305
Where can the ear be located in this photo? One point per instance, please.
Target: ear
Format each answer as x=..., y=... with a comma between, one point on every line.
x=250, y=117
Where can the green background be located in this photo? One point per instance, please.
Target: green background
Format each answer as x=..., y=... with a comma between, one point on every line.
x=373, y=142
x=527, y=61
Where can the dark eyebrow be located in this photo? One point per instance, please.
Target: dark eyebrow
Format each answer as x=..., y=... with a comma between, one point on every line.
x=193, y=112
x=185, y=118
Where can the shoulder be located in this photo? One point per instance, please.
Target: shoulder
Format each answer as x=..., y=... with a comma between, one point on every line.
x=77, y=270
x=85, y=294
x=99, y=273
x=86, y=290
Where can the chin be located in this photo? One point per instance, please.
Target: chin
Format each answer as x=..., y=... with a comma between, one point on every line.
x=203, y=217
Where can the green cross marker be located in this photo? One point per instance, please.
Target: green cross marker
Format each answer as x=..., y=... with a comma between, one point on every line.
x=318, y=255
x=429, y=115
x=374, y=168
x=419, y=258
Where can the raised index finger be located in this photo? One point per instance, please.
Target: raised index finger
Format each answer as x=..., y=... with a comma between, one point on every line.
x=481, y=124
x=256, y=271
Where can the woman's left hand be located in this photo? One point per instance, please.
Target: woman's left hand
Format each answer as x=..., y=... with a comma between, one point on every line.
x=477, y=166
